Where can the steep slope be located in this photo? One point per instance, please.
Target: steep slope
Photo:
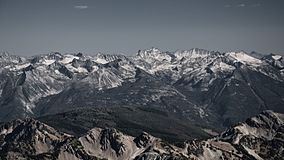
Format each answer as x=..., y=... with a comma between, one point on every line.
x=128, y=119
x=28, y=137
x=143, y=90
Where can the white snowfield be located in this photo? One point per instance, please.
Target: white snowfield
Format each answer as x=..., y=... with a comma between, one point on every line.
x=244, y=58
x=68, y=58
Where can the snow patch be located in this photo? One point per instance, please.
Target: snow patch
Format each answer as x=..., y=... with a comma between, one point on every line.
x=244, y=58
x=82, y=70
x=101, y=61
x=202, y=113
x=276, y=57
x=48, y=61
x=21, y=66
x=68, y=58
x=77, y=70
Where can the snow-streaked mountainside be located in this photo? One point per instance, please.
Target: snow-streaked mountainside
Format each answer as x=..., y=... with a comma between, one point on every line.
x=207, y=88
x=258, y=138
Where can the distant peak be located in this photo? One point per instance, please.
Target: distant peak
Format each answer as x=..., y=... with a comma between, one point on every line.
x=51, y=56
x=244, y=58
x=55, y=53
x=198, y=49
x=153, y=49
x=5, y=54
x=147, y=52
x=192, y=53
x=154, y=54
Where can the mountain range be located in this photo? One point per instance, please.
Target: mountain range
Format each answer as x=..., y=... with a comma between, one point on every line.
x=174, y=96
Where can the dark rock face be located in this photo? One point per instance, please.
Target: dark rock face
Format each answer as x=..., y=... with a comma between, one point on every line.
x=142, y=140
x=110, y=138
x=275, y=60
x=260, y=137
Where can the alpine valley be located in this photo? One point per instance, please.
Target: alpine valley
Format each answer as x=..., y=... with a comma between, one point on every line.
x=155, y=105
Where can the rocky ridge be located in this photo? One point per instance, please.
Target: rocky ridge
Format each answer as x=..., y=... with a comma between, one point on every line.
x=259, y=137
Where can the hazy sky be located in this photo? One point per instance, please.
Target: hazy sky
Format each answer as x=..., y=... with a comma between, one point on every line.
x=29, y=27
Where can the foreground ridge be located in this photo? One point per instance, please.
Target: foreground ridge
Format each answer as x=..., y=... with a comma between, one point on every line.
x=259, y=137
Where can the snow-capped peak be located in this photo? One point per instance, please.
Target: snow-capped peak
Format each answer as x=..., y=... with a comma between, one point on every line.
x=153, y=54
x=276, y=57
x=68, y=58
x=106, y=58
x=244, y=58
x=55, y=55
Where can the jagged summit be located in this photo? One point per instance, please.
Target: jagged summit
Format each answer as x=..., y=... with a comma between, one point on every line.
x=264, y=125
x=193, y=53
x=153, y=55
x=31, y=139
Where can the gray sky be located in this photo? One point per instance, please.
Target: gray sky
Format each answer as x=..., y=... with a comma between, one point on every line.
x=29, y=27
